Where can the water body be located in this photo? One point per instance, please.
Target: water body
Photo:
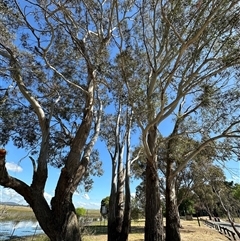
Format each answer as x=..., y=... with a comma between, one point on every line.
x=22, y=228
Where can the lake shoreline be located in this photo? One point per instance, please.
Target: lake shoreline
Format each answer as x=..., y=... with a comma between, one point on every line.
x=14, y=229
x=37, y=237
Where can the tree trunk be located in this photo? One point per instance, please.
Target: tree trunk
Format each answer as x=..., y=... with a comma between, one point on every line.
x=116, y=201
x=112, y=204
x=172, y=215
x=63, y=226
x=127, y=218
x=60, y=223
x=153, y=210
x=127, y=207
x=120, y=195
x=63, y=211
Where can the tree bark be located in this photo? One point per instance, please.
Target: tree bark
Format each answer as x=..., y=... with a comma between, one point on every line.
x=172, y=215
x=66, y=221
x=120, y=196
x=115, y=219
x=112, y=204
x=58, y=226
x=119, y=210
x=127, y=208
x=153, y=211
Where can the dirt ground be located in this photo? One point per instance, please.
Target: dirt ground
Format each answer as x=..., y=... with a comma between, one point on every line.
x=190, y=232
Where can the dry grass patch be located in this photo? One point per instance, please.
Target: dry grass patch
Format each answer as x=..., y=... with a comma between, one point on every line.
x=16, y=213
x=190, y=231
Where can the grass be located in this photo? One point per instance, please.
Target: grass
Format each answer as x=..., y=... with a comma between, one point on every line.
x=97, y=231
x=20, y=213
x=190, y=231
x=16, y=213
x=93, y=213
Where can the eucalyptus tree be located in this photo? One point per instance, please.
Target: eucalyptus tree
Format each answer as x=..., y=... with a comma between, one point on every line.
x=116, y=133
x=54, y=54
x=185, y=60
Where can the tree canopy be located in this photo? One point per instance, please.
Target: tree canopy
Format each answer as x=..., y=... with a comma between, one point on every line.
x=64, y=65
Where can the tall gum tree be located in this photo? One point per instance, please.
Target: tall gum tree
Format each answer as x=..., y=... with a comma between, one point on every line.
x=116, y=133
x=173, y=50
x=181, y=50
x=54, y=66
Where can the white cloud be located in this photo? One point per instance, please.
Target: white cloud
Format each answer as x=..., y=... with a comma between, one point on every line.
x=95, y=205
x=9, y=195
x=87, y=205
x=13, y=167
x=86, y=196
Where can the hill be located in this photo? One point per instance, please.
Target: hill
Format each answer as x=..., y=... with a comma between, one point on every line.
x=9, y=204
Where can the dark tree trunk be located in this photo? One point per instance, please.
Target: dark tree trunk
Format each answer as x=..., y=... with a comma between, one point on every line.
x=127, y=208
x=172, y=215
x=61, y=226
x=153, y=210
x=120, y=218
x=120, y=196
x=112, y=204
x=60, y=223
x=66, y=230
x=115, y=219
x=127, y=218
x=66, y=221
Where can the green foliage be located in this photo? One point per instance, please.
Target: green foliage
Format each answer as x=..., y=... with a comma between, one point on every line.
x=81, y=212
x=137, y=212
x=236, y=191
x=105, y=201
x=186, y=207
